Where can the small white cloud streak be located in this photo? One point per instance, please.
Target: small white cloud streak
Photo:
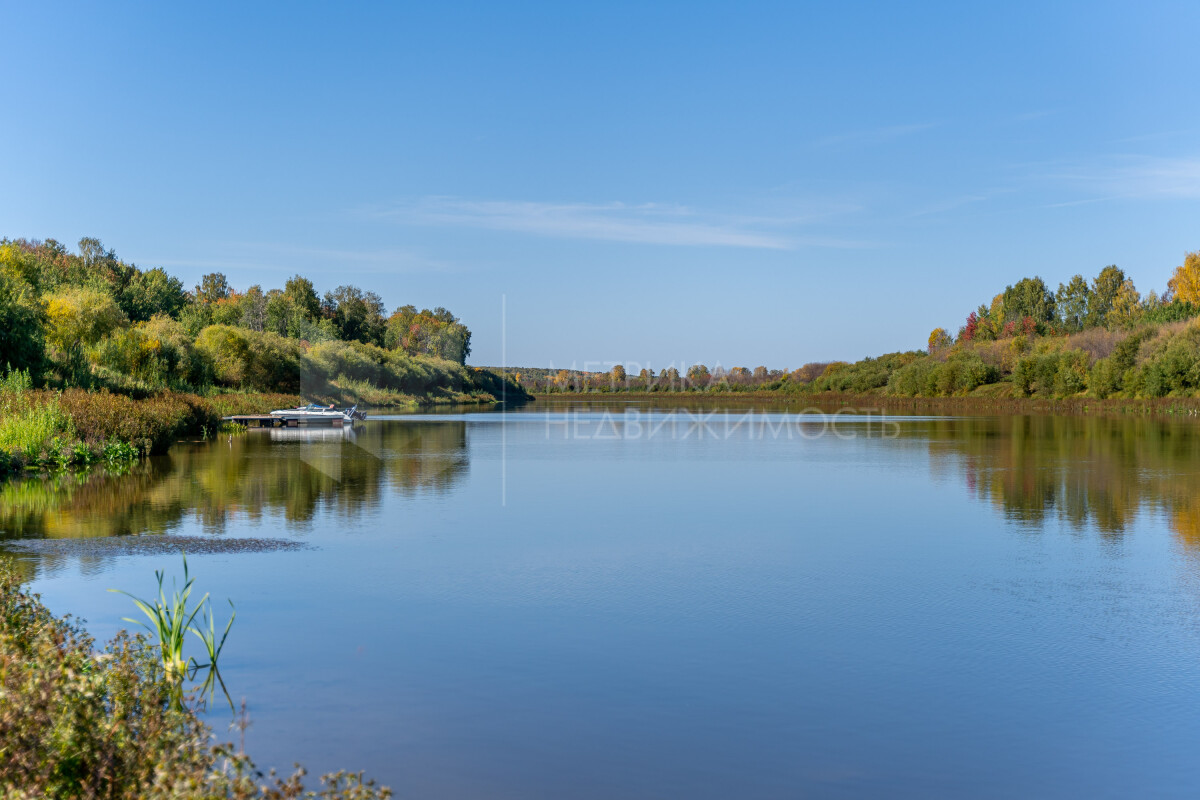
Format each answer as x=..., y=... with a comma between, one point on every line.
x=647, y=223
x=315, y=260
x=644, y=224
x=1134, y=177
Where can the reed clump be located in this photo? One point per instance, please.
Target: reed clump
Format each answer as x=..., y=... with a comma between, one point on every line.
x=76, y=722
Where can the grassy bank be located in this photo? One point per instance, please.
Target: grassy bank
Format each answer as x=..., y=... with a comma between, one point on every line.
x=48, y=429
x=56, y=429
x=982, y=401
x=79, y=723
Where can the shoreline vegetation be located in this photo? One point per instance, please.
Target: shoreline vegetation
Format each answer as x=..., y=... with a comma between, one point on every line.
x=868, y=402
x=1088, y=345
x=79, y=721
x=102, y=361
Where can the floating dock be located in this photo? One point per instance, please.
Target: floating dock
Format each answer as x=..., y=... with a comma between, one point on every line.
x=268, y=421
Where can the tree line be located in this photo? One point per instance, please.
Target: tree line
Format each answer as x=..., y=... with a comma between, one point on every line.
x=88, y=317
x=1100, y=338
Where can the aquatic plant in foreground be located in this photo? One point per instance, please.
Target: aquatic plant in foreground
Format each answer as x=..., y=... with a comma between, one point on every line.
x=76, y=722
x=171, y=619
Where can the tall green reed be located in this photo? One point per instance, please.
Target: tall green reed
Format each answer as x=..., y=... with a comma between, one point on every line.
x=171, y=618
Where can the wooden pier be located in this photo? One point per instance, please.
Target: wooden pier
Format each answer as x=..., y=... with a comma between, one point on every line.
x=268, y=421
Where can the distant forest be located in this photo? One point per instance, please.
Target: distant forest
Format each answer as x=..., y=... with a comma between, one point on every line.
x=88, y=319
x=1099, y=338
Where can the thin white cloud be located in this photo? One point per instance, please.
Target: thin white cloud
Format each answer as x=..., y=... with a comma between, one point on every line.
x=275, y=257
x=1133, y=177
x=647, y=223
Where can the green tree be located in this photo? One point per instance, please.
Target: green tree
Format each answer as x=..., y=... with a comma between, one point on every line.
x=1105, y=287
x=253, y=305
x=357, y=315
x=152, y=292
x=1126, y=307
x=91, y=251
x=303, y=298
x=1029, y=297
x=1071, y=301
x=432, y=333
x=939, y=339
x=196, y=316
x=21, y=325
x=213, y=287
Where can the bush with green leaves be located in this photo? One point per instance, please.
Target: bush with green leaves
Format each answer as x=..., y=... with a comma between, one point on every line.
x=960, y=374
x=22, y=322
x=1054, y=373
x=863, y=376
x=79, y=723
x=250, y=359
x=1108, y=375
x=1174, y=366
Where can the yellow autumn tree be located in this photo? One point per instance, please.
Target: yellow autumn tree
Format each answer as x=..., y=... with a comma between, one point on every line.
x=81, y=317
x=939, y=339
x=1185, y=283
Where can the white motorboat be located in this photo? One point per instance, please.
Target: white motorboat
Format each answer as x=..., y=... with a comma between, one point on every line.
x=315, y=413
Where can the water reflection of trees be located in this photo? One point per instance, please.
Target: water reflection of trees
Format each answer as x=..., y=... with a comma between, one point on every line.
x=1087, y=471
x=248, y=477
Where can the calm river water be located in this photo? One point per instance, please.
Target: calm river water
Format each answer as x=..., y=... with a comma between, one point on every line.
x=569, y=601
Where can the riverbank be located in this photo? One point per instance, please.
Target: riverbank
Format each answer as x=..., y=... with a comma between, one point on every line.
x=976, y=404
x=50, y=429
x=78, y=721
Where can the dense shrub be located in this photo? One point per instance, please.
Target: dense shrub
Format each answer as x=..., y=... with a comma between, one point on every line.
x=962, y=373
x=1071, y=377
x=1035, y=373
x=1108, y=374
x=75, y=723
x=151, y=424
x=1175, y=366
x=357, y=361
x=1054, y=373
x=22, y=344
x=132, y=353
x=227, y=352
x=862, y=376
x=388, y=369
x=263, y=361
x=959, y=374
x=914, y=380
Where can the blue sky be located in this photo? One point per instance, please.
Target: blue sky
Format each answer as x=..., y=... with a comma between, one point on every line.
x=658, y=183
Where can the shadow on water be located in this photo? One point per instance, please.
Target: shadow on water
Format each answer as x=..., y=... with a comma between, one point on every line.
x=290, y=473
